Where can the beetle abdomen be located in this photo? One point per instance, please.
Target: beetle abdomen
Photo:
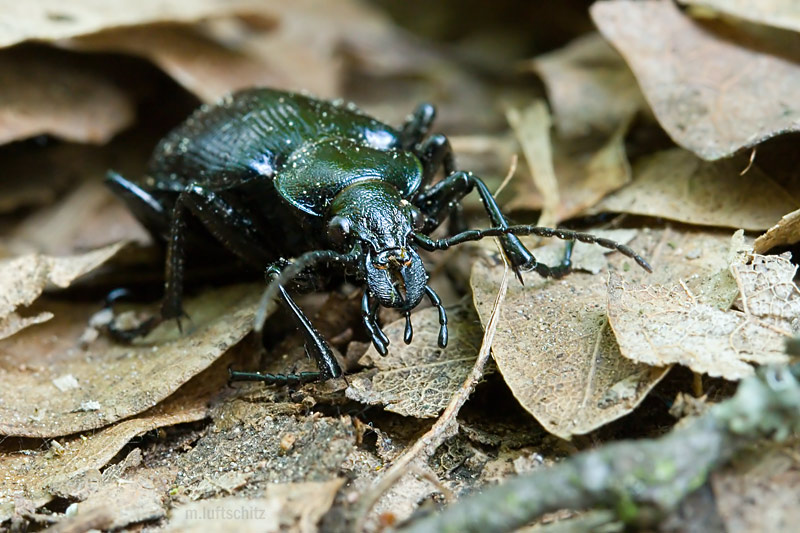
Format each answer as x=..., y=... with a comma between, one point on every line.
x=250, y=134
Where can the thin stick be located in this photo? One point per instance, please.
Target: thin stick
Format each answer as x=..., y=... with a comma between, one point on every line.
x=446, y=426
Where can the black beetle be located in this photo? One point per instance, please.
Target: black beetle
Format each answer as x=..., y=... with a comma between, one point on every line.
x=272, y=174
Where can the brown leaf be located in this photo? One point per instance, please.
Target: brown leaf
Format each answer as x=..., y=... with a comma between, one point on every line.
x=713, y=89
x=663, y=325
x=778, y=13
x=584, y=178
x=590, y=87
x=22, y=279
x=532, y=127
x=202, y=65
x=420, y=378
x=676, y=185
x=52, y=387
x=47, y=20
x=44, y=94
x=785, y=232
x=760, y=492
x=30, y=477
x=292, y=507
x=557, y=353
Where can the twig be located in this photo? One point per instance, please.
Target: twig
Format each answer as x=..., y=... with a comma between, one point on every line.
x=446, y=426
x=639, y=481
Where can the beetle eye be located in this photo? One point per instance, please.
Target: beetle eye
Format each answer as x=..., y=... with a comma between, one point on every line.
x=338, y=230
x=418, y=220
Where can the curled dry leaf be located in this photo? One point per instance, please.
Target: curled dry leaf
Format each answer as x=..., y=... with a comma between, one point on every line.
x=532, y=127
x=784, y=233
x=29, y=478
x=663, y=325
x=289, y=507
x=589, y=86
x=202, y=65
x=760, y=491
x=22, y=280
x=779, y=13
x=48, y=20
x=420, y=378
x=714, y=89
x=107, y=381
x=557, y=353
x=676, y=185
x=41, y=93
x=583, y=178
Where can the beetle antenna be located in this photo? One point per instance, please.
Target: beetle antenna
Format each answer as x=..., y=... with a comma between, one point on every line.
x=429, y=244
x=293, y=270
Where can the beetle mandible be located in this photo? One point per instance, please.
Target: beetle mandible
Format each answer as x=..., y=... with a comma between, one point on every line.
x=274, y=175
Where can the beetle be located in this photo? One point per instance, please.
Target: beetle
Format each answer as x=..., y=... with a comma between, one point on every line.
x=273, y=175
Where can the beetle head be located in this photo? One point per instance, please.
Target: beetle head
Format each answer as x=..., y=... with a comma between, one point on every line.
x=373, y=216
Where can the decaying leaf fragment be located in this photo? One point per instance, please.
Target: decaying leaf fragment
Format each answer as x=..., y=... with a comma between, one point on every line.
x=779, y=13
x=557, y=353
x=785, y=232
x=22, y=280
x=46, y=20
x=41, y=93
x=676, y=185
x=420, y=378
x=766, y=284
x=31, y=478
x=590, y=87
x=663, y=325
x=50, y=386
x=760, y=492
x=713, y=88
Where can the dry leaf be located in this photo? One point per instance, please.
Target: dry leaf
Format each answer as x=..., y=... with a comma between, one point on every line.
x=760, y=492
x=51, y=387
x=676, y=185
x=42, y=93
x=557, y=353
x=203, y=66
x=29, y=477
x=663, y=325
x=768, y=291
x=292, y=507
x=584, y=178
x=779, y=13
x=784, y=233
x=714, y=90
x=48, y=20
x=420, y=378
x=22, y=279
x=532, y=127
x=589, y=86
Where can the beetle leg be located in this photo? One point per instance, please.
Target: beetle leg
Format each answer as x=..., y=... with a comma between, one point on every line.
x=438, y=200
x=141, y=203
x=426, y=243
x=417, y=126
x=276, y=379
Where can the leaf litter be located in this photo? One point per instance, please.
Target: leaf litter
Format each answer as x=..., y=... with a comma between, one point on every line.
x=676, y=185
x=23, y=279
x=779, y=13
x=110, y=381
x=716, y=111
x=419, y=379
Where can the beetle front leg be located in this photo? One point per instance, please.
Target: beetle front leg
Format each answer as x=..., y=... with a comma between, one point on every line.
x=315, y=344
x=438, y=200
